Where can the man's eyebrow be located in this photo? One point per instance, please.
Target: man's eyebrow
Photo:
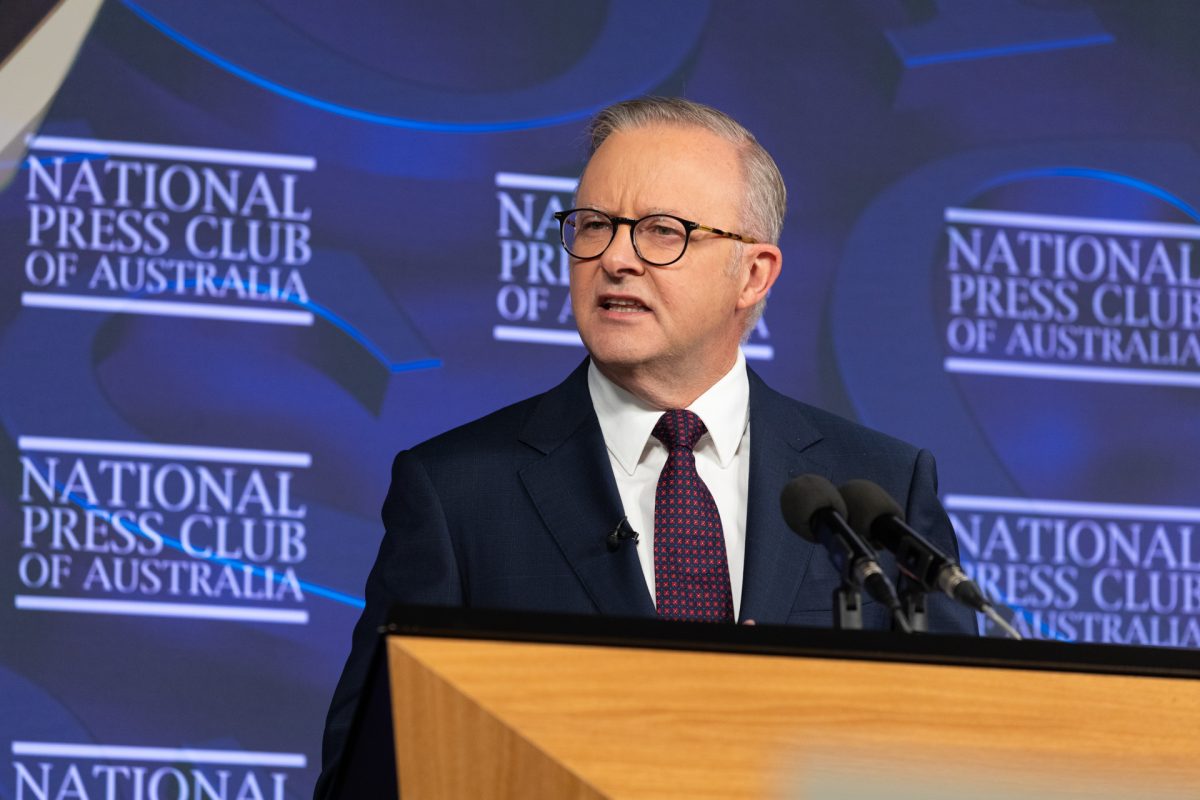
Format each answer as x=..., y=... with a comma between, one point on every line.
x=650, y=212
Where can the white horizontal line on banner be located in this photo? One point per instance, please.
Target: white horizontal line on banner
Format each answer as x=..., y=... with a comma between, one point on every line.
x=138, y=608
x=544, y=183
x=1053, y=222
x=180, y=755
x=165, y=308
x=759, y=352
x=208, y=155
x=176, y=452
x=516, y=333
x=1070, y=508
x=513, y=333
x=1071, y=372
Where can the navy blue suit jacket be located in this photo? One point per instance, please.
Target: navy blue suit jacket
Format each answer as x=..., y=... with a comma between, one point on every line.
x=512, y=511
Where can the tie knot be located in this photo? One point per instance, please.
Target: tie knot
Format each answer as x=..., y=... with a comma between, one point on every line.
x=679, y=428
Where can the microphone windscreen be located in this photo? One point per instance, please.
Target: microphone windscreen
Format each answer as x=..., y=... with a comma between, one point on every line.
x=867, y=502
x=805, y=496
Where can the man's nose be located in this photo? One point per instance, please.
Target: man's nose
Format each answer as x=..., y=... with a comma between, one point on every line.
x=621, y=258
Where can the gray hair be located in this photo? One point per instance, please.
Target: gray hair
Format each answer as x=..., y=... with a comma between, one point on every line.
x=765, y=195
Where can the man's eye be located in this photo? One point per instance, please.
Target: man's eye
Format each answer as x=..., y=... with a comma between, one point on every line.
x=664, y=230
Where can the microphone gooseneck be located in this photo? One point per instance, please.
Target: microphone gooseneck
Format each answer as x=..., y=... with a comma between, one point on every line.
x=877, y=517
x=813, y=508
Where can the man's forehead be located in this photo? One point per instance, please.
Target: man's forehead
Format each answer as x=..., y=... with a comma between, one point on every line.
x=654, y=165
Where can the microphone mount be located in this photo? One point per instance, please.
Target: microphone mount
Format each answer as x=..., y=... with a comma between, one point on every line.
x=621, y=533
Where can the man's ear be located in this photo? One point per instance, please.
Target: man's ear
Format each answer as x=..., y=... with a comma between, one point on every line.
x=761, y=266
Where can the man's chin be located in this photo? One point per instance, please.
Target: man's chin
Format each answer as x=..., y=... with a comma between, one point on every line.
x=618, y=355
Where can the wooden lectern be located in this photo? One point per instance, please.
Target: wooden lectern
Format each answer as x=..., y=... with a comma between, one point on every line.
x=505, y=705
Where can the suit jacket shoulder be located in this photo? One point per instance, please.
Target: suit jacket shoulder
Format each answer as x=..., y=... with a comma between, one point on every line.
x=540, y=422
x=810, y=424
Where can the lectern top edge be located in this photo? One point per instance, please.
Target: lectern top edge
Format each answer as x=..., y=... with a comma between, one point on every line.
x=641, y=632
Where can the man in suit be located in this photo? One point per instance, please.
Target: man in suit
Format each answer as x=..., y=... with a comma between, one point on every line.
x=673, y=250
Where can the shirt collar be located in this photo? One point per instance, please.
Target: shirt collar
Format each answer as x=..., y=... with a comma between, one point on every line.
x=626, y=421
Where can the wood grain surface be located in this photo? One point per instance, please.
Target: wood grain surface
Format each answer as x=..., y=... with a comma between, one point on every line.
x=499, y=719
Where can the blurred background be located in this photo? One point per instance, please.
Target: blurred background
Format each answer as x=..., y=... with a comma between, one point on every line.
x=251, y=249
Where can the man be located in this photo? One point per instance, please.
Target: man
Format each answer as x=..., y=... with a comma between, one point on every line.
x=673, y=253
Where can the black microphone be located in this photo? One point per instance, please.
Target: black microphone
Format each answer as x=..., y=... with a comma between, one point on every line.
x=875, y=516
x=813, y=508
x=621, y=533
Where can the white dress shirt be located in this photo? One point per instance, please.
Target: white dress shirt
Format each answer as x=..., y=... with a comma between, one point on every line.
x=722, y=459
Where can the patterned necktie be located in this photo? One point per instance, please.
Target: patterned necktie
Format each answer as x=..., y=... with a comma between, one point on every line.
x=691, y=573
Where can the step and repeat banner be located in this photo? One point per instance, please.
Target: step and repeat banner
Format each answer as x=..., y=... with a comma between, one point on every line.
x=255, y=248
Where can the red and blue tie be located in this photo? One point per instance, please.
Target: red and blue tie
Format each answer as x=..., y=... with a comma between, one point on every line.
x=691, y=572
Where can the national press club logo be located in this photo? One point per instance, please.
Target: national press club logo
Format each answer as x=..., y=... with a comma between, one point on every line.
x=162, y=530
x=163, y=230
x=44, y=770
x=533, y=301
x=1084, y=571
x=1061, y=297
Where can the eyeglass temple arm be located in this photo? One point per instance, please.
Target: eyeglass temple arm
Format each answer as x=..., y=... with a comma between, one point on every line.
x=726, y=234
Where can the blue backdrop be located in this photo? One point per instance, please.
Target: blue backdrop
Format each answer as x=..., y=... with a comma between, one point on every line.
x=254, y=248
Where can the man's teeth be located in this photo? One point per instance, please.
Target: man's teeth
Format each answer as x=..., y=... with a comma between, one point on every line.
x=624, y=305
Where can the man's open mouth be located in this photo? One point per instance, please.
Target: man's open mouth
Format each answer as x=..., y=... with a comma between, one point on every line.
x=622, y=305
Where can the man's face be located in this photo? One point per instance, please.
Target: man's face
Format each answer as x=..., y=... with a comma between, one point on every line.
x=685, y=318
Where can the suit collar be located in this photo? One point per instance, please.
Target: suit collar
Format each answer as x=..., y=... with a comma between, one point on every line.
x=559, y=413
x=573, y=489
x=782, y=445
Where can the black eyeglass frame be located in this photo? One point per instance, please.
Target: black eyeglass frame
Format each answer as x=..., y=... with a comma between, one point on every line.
x=688, y=227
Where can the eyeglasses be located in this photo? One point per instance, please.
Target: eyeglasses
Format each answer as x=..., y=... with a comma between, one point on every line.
x=658, y=239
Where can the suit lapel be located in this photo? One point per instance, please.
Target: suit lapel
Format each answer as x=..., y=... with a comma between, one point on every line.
x=782, y=446
x=572, y=486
